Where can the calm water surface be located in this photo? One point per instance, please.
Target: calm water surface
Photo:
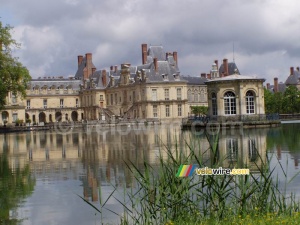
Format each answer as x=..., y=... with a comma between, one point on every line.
x=42, y=174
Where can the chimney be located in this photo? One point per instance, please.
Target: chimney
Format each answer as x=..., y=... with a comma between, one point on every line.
x=103, y=73
x=268, y=86
x=291, y=70
x=175, y=57
x=88, y=57
x=297, y=68
x=225, y=65
x=80, y=57
x=144, y=53
x=111, y=68
x=203, y=75
x=155, y=64
x=208, y=76
x=275, y=84
x=93, y=70
x=216, y=62
x=116, y=68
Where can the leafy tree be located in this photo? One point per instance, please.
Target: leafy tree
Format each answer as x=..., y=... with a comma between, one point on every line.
x=291, y=100
x=199, y=110
x=14, y=77
x=269, y=101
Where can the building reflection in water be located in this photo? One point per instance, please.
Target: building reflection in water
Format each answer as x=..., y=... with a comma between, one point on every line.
x=98, y=158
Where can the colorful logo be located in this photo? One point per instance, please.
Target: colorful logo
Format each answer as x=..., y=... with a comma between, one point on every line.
x=186, y=170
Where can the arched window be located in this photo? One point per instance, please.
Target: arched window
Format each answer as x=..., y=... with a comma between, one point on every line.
x=214, y=104
x=250, y=106
x=229, y=103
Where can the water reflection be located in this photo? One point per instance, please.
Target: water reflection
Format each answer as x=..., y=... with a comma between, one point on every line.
x=16, y=182
x=97, y=159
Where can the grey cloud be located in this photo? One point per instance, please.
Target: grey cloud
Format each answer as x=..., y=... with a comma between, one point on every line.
x=200, y=31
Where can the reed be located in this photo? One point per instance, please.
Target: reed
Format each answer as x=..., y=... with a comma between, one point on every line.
x=162, y=198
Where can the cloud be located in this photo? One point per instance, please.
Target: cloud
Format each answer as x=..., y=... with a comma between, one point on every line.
x=200, y=31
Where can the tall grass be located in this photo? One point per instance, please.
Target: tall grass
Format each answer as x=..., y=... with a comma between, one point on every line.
x=160, y=197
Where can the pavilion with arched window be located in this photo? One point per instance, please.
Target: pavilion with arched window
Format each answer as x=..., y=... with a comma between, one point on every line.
x=235, y=98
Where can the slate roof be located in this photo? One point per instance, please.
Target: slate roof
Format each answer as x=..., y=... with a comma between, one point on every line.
x=231, y=69
x=194, y=80
x=293, y=79
x=97, y=77
x=234, y=77
x=79, y=73
x=74, y=84
x=156, y=52
x=281, y=87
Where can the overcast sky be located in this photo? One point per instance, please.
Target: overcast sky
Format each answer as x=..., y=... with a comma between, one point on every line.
x=265, y=33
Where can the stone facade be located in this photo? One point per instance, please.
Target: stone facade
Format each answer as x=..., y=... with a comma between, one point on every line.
x=52, y=99
x=154, y=90
x=235, y=97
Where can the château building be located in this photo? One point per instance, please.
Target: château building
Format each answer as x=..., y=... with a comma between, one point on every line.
x=155, y=90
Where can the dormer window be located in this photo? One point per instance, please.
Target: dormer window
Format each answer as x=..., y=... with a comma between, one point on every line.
x=165, y=77
x=176, y=76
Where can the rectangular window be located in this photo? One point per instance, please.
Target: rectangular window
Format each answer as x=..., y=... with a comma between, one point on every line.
x=180, y=110
x=61, y=103
x=116, y=98
x=250, y=105
x=77, y=102
x=155, y=111
x=214, y=104
x=13, y=99
x=167, y=111
x=111, y=99
x=196, y=99
x=252, y=150
x=154, y=94
x=178, y=93
x=232, y=149
x=14, y=117
x=101, y=98
x=28, y=104
x=133, y=96
x=167, y=94
x=45, y=103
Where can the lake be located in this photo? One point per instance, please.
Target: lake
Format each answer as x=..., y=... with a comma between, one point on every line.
x=44, y=174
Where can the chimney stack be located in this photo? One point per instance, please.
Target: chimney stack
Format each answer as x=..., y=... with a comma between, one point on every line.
x=103, y=73
x=175, y=57
x=155, y=64
x=111, y=68
x=275, y=84
x=80, y=57
x=116, y=68
x=208, y=76
x=144, y=53
x=203, y=75
x=216, y=62
x=268, y=86
x=225, y=64
x=297, y=68
x=291, y=70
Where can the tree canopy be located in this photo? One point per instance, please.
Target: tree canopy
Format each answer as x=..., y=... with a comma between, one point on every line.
x=14, y=77
x=286, y=102
x=199, y=110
